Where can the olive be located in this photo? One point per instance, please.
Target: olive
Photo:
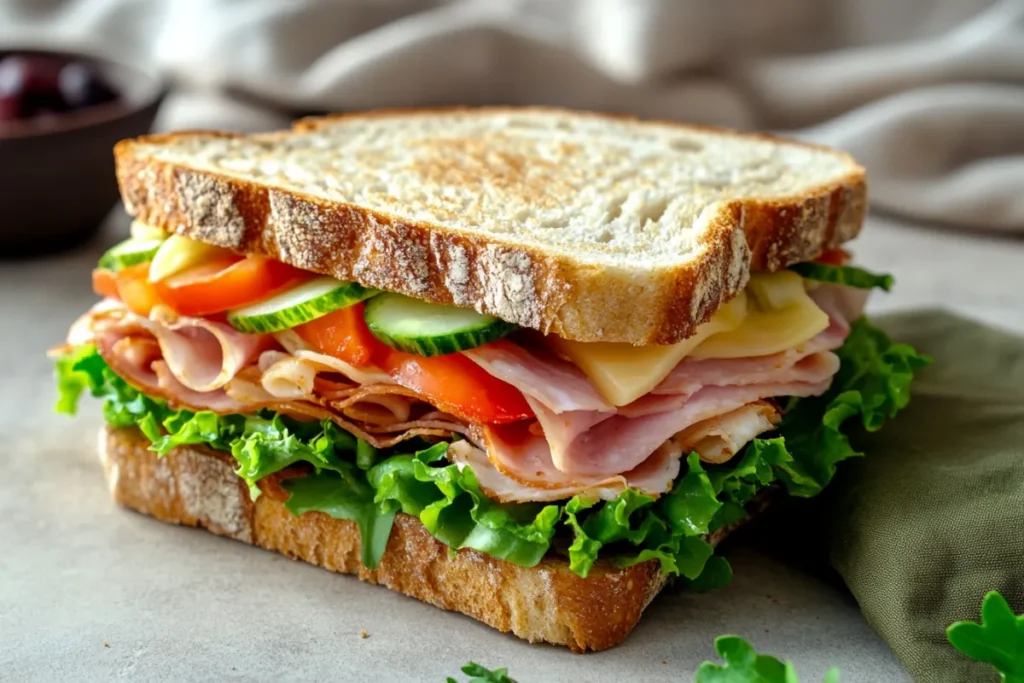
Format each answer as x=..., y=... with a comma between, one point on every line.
x=81, y=86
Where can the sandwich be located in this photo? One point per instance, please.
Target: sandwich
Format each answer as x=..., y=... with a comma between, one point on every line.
x=529, y=365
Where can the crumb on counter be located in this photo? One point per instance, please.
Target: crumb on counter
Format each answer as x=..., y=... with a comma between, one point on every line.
x=106, y=644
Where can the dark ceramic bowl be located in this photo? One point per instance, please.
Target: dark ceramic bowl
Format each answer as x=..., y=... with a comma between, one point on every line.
x=57, y=175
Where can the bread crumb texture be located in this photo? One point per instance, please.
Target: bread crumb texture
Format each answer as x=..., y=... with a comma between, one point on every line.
x=589, y=186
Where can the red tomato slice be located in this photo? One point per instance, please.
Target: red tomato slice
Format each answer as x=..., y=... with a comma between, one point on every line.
x=452, y=382
x=344, y=335
x=135, y=289
x=834, y=257
x=459, y=386
x=227, y=283
x=104, y=283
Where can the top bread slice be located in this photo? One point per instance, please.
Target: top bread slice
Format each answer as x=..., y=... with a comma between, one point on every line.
x=591, y=227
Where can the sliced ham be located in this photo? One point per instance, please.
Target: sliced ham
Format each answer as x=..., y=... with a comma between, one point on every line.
x=623, y=441
x=808, y=362
x=284, y=376
x=585, y=436
x=137, y=360
x=789, y=367
x=655, y=477
x=378, y=404
x=102, y=314
x=518, y=465
x=719, y=438
x=203, y=354
x=249, y=390
x=218, y=401
x=843, y=304
x=542, y=376
x=295, y=345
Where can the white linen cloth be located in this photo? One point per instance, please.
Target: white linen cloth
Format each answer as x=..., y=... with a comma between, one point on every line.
x=928, y=94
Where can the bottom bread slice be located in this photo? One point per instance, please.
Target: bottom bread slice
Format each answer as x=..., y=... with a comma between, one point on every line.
x=197, y=486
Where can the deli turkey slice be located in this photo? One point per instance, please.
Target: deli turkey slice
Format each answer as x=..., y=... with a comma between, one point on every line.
x=654, y=477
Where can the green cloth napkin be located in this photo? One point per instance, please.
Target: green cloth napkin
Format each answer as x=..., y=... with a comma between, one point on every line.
x=933, y=517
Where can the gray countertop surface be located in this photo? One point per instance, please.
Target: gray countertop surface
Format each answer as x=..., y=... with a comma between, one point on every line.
x=90, y=592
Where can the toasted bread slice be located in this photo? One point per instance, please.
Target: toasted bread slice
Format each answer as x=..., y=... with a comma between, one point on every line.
x=592, y=227
x=197, y=486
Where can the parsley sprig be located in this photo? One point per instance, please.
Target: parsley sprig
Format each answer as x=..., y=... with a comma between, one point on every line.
x=742, y=664
x=481, y=674
x=998, y=640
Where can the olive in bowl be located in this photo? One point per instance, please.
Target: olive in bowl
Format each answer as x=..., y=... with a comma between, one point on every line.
x=60, y=116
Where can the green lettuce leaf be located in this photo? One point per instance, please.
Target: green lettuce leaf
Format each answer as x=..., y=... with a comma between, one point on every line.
x=873, y=382
x=670, y=529
x=184, y=428
x=267, y=446
x=466, y=518
x=717, y=574
x=124, y=406
x=345, y=495
x=75, y=372
x=447, y=501
x=850, y=276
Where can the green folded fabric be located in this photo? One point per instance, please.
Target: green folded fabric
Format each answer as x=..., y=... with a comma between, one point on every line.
x=933, y=518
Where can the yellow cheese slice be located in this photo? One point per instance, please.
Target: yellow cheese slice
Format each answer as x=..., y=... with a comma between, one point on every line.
x=179, y=253
x=623, y=372
x=780, y=315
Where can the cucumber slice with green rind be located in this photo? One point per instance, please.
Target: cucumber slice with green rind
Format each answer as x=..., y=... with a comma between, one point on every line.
x=298, y=305
x=430, y=329
x=131, y=252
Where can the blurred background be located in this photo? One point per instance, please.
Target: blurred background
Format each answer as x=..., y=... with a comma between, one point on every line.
x=927, y=94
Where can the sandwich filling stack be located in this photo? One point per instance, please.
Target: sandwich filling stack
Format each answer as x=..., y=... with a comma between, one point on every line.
x=529, y=365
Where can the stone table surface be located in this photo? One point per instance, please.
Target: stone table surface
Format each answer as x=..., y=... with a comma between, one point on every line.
x=90, y=592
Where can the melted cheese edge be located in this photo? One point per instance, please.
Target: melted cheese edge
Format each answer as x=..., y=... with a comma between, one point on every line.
x=773, y=314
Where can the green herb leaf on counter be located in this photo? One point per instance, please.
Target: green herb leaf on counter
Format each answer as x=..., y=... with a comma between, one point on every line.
x=850, y=276
x=742, y=664
x=480, y=674
x=998, y=640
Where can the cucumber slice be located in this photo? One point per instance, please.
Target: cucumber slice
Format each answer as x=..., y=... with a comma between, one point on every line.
x=129, y=253
x=298, y=305
x=430, y=329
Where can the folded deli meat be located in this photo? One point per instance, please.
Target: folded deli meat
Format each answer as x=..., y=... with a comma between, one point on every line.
x=535, y=417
